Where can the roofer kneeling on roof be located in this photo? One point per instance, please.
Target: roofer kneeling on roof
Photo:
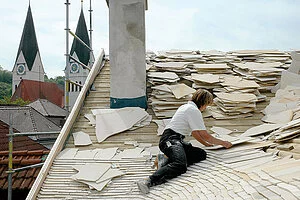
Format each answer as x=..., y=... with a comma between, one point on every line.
x=179, y=154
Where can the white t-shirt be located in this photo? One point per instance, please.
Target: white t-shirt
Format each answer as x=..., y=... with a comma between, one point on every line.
x=187, y=119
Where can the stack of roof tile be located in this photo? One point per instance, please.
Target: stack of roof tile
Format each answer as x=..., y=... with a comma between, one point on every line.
x=266, y=74
x=236, y=84
x=288, y=131
x=219, y=68
x=284, y=107
x=214, y=56
x=165, y=99
x=178, y=56
x=262, y=56
x=205, y=81
x=236, y=103
x=213, y=70
x=162, y=77
x=178, y=67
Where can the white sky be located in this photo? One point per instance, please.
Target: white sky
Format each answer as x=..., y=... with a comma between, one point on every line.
x=170, y=24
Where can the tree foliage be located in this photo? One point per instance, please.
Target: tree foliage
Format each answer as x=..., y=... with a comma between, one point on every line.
x=19, y=101
x=59, y=80
x=5, y=76
x=5, y=83
x=5, y=90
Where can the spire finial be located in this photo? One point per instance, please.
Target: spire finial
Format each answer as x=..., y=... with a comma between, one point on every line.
x=81, y=4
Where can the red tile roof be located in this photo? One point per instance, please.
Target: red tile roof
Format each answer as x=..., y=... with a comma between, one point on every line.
x=33, y=90
x=19, y=143
x=22, y=179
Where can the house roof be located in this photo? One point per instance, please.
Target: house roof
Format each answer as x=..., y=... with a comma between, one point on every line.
x=19, y=143
x=26, y=119
x=47, y=108
x=82, y=52
x=28, y=44
x=33, y=90
x=23, y=179
x=242, y=172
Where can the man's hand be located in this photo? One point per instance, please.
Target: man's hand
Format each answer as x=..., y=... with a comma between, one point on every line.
x=226, y=144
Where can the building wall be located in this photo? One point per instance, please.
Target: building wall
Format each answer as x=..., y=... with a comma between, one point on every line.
x=36, y=73
x=77, y=77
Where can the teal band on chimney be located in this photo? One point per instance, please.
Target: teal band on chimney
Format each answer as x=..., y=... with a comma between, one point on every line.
x=129, y=102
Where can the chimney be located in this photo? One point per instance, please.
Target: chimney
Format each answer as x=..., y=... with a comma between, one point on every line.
x=127, y=53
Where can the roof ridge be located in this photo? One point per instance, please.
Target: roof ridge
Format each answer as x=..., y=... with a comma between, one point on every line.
x=32, y=119
x=44, y=106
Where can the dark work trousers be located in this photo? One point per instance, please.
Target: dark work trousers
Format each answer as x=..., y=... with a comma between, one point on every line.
x=180, y=155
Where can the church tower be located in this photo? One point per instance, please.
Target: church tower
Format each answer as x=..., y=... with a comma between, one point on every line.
x=80, y=52
x=28, y=64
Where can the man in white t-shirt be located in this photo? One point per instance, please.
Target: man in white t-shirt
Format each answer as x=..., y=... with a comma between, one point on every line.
x=186, y=121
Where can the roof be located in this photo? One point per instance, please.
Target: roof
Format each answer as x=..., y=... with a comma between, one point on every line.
x=47, y=108
x=23, y=179
x=242, y=172
x=26, y=119
x=33, y=90
x=82, y=52
x=28, y=44
x=19, y=143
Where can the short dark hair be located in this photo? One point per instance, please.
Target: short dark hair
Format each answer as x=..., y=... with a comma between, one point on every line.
x=202, y=97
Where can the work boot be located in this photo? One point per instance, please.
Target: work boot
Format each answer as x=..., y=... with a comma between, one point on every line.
x=144, y=185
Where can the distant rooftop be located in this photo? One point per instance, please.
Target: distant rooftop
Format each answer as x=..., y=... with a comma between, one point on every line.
x=48, y=108
x=33, y=90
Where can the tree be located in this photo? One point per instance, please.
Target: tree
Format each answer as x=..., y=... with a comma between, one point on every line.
x=5, y=83
x=59, y=80
x=19, y=101
x=5, y=76
x=5, y=90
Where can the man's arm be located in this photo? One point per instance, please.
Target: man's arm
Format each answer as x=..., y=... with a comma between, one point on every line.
x=208, y=140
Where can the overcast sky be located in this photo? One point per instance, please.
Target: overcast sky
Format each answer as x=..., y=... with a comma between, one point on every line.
x=170, y=24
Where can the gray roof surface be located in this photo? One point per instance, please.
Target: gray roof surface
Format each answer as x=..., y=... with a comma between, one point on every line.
x=27, y=119
x=47, y=108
